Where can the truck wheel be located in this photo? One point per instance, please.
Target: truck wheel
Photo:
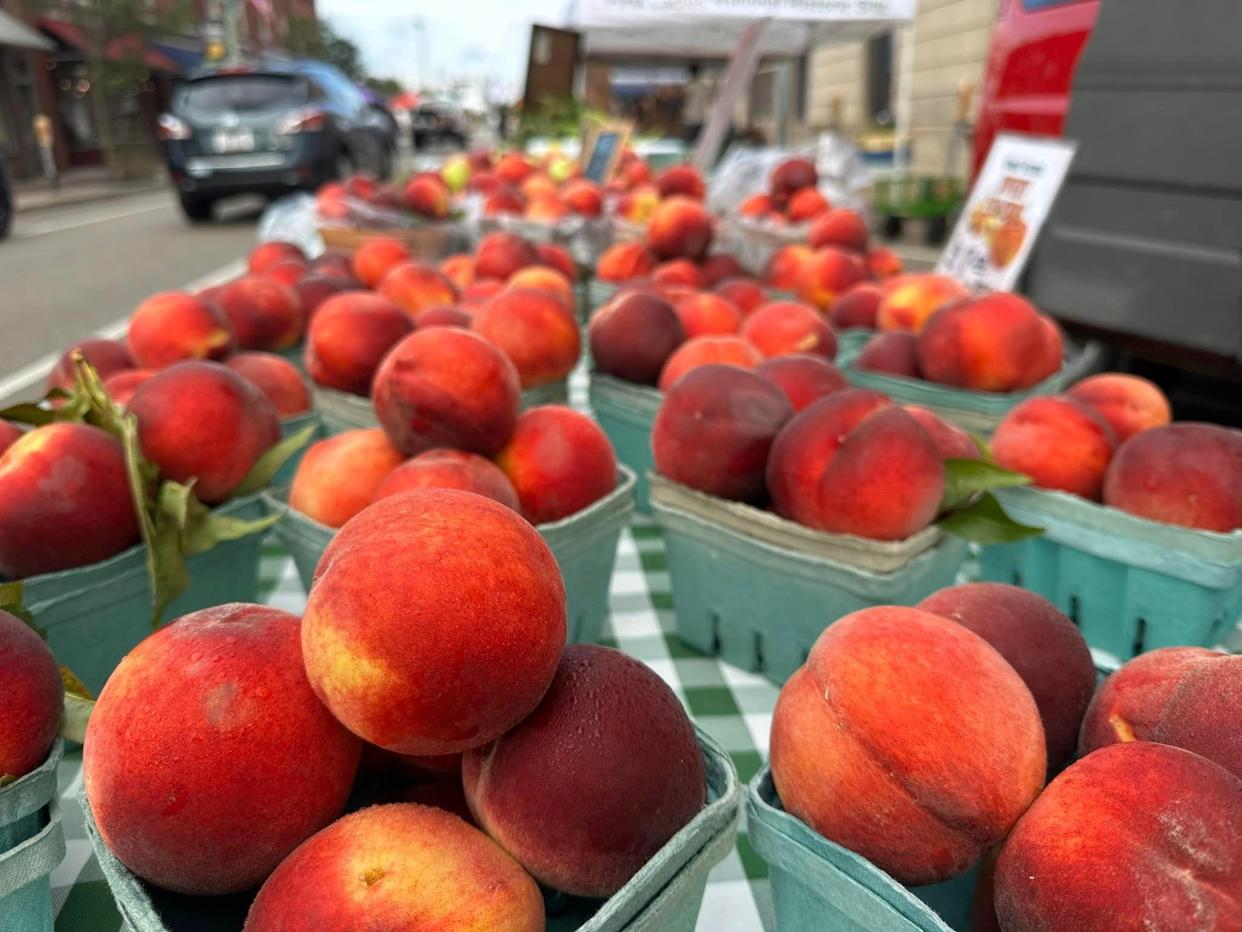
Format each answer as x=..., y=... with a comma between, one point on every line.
x=196, y=209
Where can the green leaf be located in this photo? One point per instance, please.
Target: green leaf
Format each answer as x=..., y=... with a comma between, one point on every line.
x=965, y=480
x=79, y=703
x=262, y=473
x=11, y=602
x=31, y=412
x=984, y=521
x=216, y=529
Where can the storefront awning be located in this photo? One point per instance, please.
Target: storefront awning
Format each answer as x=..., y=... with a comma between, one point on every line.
x=14, y=32
x=125, y=48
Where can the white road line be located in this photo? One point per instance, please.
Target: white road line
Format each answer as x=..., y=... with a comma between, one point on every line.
x=29, y=230
x=38, y=370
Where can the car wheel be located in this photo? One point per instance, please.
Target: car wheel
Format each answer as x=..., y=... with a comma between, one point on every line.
x=196, y=209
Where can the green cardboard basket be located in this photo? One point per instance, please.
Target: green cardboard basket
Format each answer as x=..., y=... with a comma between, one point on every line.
x=1130, y=584
x=626, y=412
x=850, y=342
x=288, y=427
x=599, y=293
x=759, y=590
x=664, y=896
x=94, y=615
x=32, y=843
x=818, y=885
x=585, y=546
x=341, y=411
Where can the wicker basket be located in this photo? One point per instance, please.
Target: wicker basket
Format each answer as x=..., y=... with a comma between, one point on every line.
x=430, y=243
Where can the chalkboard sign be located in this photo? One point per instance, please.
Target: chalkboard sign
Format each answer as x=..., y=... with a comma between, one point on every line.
x=603, y=149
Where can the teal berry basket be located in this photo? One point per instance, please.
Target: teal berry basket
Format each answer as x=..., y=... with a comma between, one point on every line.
x=626, y=412
x=32, y=843
x=342, y=411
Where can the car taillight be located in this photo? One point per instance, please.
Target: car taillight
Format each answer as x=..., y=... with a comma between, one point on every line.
x=169, y=127
x=304, y=121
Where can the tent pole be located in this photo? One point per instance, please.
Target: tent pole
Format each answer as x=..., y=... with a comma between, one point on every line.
x=738, y=75
x=905, y=94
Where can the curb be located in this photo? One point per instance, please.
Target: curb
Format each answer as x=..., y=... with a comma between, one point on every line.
x=73, y=200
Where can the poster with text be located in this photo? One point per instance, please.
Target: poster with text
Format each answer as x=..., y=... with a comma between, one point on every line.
x=1006, y=210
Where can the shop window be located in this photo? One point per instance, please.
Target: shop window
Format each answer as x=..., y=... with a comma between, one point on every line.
x=880, y=79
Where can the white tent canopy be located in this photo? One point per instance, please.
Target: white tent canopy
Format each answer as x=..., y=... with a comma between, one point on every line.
x=14, y=32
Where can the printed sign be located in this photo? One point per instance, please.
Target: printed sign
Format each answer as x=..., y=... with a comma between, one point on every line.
x=603, y=151
x=1007, y=208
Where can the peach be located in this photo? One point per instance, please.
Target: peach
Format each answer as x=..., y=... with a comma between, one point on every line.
x=785, y=327
x=335, y=263
x=714, y=430
x=857, y=756
x=271, y=253
x=680, y=228
x=544, y=279
x=681, y=181
x=398, y=866
x=559, y=461
x=513, y=168
x=787, y=266
x=840, y=228
x=1189, y=697
x=790, y=176
x=332, y=202
x=678, y=272
x=827, y=275
x=1052, y=357
x=444, y=387
x=584, y=198
x=857, y=307
x=704, y=314
x=416, y=288
x=806, y=205
x=107, y=358
x=428, y=196
x=1185, y=474
x=202, y=421
x=561, y=790
x=803, y=378
x=1059, y=443
x=535, y=330
x=911, y=300
x=555, y=257
x=172, y=325
x=33, y=698
x=480, y=292
x=623, y=262
x=855, y=463
x=451, y=469
x=504, y=200
x=757, y=206
x=263, y=313
x=501, y=255
x=289, y=272
x=339, y=476
x=376, y=257
x=546, y=208
x=1043, y=645
x=952, y=442
x=720, y=266
x=883, y=263
x=314, y=291
x=445, y=317
x=1133, y=837
x=458, y=269
x=633, y=335
x=484, y=182
x=639, y=204
x=277, y=378
x=744, y=293
x=350, y=336
x=121, y=387
x=11, y=433
x=460, y=640
x=994, y=343
x=706, y=351
x=64, y=500
x=1128, y=402
x=894, y=353
x=191, y=735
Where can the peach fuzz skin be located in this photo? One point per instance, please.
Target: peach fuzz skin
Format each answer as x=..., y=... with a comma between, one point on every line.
x=633, y=335
x=1129, y=403
x=172, y=326
x=435, y=622
x=349, y=338
x=706, y=351
x=536, y=330
x=339, y=476
x=451, y=469
x=1059, y=443
x=33, y=698
x=908, y=740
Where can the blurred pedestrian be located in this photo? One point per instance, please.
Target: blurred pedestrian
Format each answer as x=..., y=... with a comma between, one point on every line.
x=698, y=104
x=46, y=138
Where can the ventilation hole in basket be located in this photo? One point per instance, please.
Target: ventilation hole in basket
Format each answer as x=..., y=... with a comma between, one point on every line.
x=1074, y=607
x=1140, y=638
x=758, y=652
x=715, y=620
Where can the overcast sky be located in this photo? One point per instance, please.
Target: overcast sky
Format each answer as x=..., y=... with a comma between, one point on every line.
x=463, y=37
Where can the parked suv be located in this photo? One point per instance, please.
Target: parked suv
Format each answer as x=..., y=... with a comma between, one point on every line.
x=275, y=126
x=437, y=122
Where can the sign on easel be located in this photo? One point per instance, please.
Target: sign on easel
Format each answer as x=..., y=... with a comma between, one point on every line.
x=1008, y=205
x=603, y=151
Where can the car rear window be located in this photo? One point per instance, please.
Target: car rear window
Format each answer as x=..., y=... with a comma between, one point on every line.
x=240, y=93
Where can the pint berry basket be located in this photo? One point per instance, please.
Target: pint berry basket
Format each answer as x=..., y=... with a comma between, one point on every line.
x=627, y=412
x=341, y=411
x=32, y=843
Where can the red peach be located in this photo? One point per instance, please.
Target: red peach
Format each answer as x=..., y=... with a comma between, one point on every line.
x=484, y=182
x=704, y=314
x=33, y=698
x=271, y=253
x=1128, y=402
x=289, y=272
x=546, y=208
x=584, y=197
x=500, y=255
x=121, y=387
x=264, y=314
x=535, y=330
x=428, y=196
x=803, y=378
x=827, y=275
x=172, y=326
x=375, y=257
x=787, y=266
x=681, y=181
x=315, y=290
x=350, y=336
x=790, y=176
x=680, y=228
x=883, y=263
x=504, y=200
x=481, y=292
x=277, y=378
x=720, y=267
x=633, y=335
x=1059, y=443
x=756, y=206
x=544, y=279
x=840, y=228
x=459, y=270
x=857, y=307
x=806, y=205
x=911, y=300
x=706, y=351
x=107, y=358
x=624, y=262
x=340, y=475
x=416, y=288
x=678, y=272
x=785, y=327
x=444, y=317
x=555, y=257
x=639, y=204
x=895, y=353
x=451, y=469
x=744, y=293
x=335, y=263
x=11, y=433
x=952, y=442
x=994, y=343
x=513, y=168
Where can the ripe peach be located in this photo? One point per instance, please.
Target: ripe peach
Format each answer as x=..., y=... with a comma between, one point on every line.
x=706, y=351
x=1059, y=443
x=482, y=291
x=559, y=461
x=189, y=738
x=350, y=336
x=336, y=263
x=857, y=757
x=757, y=206
x=1052, y=357
x=546, y=208
x=952, y=442
x=911, y=300
x=544, y=279
x=806, y=205
x=639, y=204
x=623, y=262
x=1043, y=645
x=277, y=378
x=883, y=263
x=398, y=866
x=445, y=317
x=584, y=198
x=64, y=500
x=1128, y=402
x=827, y=275
x=555, y=257
x=500, y=255
x=172, y=325
x=535, y=330
x=416, y=288
x=560, y=791
x=513, y=168
x=841, y=229
x=315, y=290
x=802, y=377
x=428, y=196
x=444, y=387
x=787, y=266
x=263, y=313
x=895, y=353
x=785, y=327
x=745, y=294
x=459, y=642
x=107, y=358
x=203, y=421
x=633, y=335
x=857, y=307
x=681, y=181
x=271, y=253
x=484, y=182
x=680, y=228
x=451, y=469
x=458, y=269
x=288, y=272
x=678, y=272
x=1133, y=837
x=376, y=256
x=33, y=698
x=715, y=428
x=121, y=387
x=994, y=343
x=720, y=266
x=504, y=200
x=704, y=314
x=11, y=433
x=855, y=463
x=1189, y=697
x=339, y=476
x=790, y=176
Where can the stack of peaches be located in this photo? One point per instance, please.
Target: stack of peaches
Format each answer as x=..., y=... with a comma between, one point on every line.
x=793, y=196
x=634, y=192
x=922, y=738
x=547, y=190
